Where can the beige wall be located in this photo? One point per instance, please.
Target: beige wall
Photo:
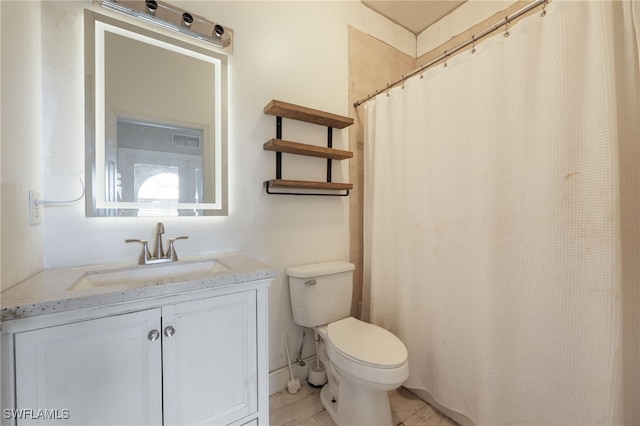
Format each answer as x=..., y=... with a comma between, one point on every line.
x=372, y=64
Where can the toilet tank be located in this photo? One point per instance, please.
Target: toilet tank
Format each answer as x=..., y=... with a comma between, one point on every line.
x=320, y=292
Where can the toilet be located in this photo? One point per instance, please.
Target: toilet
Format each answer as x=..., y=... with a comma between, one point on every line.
x=362, y=361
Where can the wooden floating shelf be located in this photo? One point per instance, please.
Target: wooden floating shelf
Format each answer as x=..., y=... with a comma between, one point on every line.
x=301, y=187
x=300, y=113
x=305, y=184
x=289, y=147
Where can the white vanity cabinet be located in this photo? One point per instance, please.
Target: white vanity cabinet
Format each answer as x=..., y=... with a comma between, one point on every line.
x=193, y=358
x=210, y=362
x=100, y=371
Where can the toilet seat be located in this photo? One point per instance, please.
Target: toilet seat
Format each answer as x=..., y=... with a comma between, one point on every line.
x=366, y=344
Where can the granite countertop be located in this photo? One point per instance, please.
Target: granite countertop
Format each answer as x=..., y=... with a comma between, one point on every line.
x=60, y=290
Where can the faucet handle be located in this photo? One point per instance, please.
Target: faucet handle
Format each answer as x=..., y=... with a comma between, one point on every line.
x=145, y=255
x=171, y=251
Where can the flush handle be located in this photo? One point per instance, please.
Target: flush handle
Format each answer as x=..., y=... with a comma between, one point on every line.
x=153, y=335
x=169, y=331
x=310, y=282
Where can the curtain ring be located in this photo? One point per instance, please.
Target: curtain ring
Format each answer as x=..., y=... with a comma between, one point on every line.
x=544, y=11
x=506, y=27
x=446, y=58
x=473, y=40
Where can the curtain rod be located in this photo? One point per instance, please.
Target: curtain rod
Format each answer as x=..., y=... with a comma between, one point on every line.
x=447, y=53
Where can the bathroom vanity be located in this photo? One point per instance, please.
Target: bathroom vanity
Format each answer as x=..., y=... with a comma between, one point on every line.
x=139, y=345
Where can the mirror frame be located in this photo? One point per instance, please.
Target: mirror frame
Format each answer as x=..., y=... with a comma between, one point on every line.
x=94, y=207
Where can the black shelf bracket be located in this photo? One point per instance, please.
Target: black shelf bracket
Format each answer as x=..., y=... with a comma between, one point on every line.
x=279, y=167
x=329, y=145
x=278, y=154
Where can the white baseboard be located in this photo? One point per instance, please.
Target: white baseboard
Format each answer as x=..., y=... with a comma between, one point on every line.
x=278, y=378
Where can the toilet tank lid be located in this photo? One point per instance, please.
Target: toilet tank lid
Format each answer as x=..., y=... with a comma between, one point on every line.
x=320, y=269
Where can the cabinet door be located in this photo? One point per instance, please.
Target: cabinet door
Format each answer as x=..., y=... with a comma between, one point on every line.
x=210, y=362
x=102, y=372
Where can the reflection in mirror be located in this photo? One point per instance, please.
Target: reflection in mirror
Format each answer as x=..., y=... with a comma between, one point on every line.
x=156, y=123
x=157, y=164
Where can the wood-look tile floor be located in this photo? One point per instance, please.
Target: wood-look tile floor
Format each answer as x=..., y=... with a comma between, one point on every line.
x=305, y=409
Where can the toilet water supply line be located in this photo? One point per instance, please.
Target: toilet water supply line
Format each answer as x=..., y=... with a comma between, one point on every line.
x=299, y=359
x=316, y=339
x=299, y=356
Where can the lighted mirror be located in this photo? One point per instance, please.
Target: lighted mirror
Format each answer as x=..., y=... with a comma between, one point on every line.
x=156, y=138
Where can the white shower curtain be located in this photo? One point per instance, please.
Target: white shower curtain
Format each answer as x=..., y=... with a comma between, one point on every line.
x=501, y=221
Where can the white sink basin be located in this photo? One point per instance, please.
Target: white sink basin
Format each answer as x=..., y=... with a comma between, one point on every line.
x=162, y=272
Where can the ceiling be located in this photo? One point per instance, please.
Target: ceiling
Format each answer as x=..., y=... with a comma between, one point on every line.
x=414, y=15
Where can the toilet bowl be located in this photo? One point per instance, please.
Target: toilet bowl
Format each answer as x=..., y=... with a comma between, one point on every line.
x=366, y=362
x=363, y=361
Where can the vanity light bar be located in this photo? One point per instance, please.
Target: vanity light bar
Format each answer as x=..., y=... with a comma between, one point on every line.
x=173, y=18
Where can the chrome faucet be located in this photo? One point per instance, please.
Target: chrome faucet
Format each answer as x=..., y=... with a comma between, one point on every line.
x=159, y=255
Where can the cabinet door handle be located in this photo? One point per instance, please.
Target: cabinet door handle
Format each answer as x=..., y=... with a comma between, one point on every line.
x=153, y=335
x=169, y=331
